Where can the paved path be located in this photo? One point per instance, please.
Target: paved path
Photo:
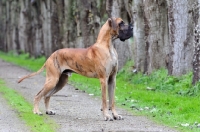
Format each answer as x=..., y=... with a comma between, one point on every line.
x=9, y=120
x=75, y=110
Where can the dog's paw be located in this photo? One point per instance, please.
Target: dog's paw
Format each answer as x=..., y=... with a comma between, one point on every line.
x=118, y=117
x=108, y=118
x=38, y=113
x=50, y=112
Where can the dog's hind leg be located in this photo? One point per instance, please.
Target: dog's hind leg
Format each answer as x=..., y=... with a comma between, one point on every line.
x=48, y=86
x=61, y=83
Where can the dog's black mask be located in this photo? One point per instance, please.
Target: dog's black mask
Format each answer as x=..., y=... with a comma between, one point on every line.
x=125, y=31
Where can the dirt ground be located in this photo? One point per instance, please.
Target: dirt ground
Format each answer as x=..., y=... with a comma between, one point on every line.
x=75, y=110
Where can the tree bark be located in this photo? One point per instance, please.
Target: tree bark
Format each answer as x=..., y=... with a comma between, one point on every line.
x=181, y=27
x=12, y=13
x=150, y=35
x=3, y=45
x=196, y=57
x=163, y=35
x=139, y=36
x=196, y=43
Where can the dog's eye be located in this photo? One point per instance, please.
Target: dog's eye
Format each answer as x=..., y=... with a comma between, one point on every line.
x=121, y=23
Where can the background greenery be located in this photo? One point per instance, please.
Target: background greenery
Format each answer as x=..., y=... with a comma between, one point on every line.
x=168, y=100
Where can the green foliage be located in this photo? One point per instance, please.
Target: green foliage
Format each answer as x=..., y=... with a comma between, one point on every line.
x=169, y=100
x=160, y=81
x=23, y=60
x=24, y=110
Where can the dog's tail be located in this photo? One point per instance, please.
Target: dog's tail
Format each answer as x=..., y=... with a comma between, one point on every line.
x=32, y=74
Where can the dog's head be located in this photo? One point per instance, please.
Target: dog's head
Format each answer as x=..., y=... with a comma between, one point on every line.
x=120, y=29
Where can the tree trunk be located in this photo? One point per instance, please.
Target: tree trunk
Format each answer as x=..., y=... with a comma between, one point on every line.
x=196, y=43
x=12, y=13
x=24, y=26
x=181, y=26
x=3, y=45
x=139, y=36
x=46, y=9
x=37, y=34
x=196, y=57
x=163, y=35
x=156, y=29
x=150, y=35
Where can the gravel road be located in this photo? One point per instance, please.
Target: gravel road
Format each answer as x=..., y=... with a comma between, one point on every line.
x=75, y=110
x=9, y=121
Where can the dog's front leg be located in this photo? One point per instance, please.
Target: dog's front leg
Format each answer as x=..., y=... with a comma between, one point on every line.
x=111, y=94
x=104, y=85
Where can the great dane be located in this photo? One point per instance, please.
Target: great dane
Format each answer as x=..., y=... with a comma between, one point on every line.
x=97, y=61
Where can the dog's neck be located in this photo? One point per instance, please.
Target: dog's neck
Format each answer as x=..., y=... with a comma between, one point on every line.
x=105, y=36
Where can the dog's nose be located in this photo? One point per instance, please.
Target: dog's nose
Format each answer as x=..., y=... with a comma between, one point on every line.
x=131, y=26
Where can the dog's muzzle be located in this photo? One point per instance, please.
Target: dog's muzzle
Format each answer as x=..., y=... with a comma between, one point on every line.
x=125, y=32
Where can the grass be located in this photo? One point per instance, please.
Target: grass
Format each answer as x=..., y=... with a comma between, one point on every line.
x=172, y=100
x=168, y=100
x=23, y=60
x=24, y=111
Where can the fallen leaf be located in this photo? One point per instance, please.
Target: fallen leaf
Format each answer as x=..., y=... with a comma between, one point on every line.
x=150, y=89
x=185, y=125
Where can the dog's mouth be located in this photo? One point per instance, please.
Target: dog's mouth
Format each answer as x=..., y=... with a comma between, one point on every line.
x=125, y=31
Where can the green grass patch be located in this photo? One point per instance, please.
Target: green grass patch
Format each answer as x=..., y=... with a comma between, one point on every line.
x=168, y=100
x=23, y=60
x=24, y=110
x=89, y=85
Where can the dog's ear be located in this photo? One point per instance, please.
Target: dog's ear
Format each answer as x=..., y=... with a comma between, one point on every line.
x=112, y=23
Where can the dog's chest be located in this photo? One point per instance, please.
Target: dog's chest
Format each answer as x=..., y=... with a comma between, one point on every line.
x=113, y=58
